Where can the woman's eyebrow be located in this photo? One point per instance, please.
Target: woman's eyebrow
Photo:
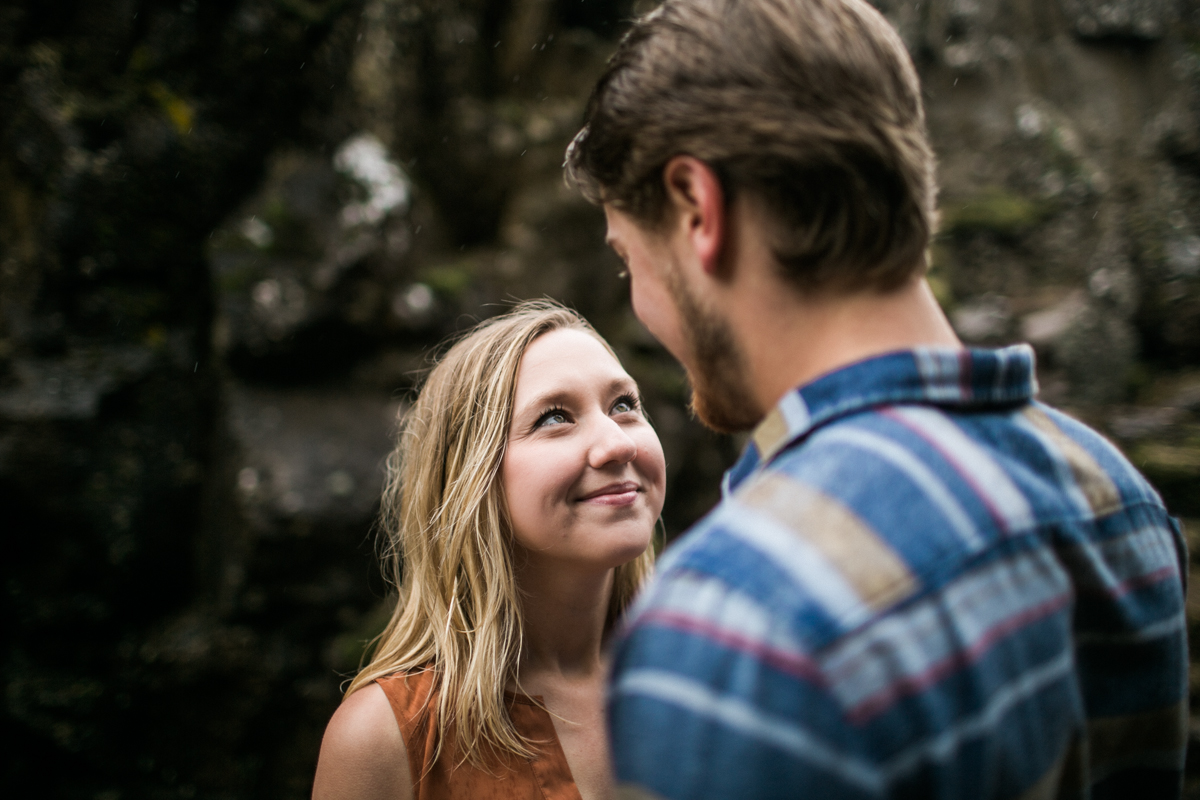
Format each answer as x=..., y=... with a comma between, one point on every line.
x=541, y=402
x=625, y=383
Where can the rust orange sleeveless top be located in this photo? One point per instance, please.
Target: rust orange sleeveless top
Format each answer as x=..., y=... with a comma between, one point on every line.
x=414, y=697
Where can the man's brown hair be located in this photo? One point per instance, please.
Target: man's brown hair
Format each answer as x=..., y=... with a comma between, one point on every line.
x=811, y=106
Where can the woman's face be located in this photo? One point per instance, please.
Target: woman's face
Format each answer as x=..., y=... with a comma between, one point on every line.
x=584, y=473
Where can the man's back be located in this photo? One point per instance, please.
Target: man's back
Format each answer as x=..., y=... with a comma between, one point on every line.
x=921, y=584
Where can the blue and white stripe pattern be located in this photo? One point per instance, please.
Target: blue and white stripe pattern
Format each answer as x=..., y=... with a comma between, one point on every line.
x=921, y=583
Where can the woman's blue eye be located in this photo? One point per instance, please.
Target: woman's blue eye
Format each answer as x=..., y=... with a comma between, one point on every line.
x=555, y=416
x=625, y=404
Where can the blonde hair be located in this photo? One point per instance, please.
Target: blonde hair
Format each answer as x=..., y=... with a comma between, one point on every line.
x=448, y=536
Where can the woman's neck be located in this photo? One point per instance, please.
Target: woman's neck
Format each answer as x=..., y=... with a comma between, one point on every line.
x=565, y=611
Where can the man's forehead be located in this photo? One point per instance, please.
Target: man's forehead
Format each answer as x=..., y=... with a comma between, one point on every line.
x=608, y=217
x=612, y=235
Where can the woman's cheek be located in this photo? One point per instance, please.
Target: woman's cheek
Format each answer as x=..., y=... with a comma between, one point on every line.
x=654, y=466
x=652, y=454
x=558, y=466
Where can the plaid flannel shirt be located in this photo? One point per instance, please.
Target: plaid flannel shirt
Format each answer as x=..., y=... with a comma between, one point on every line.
x=921, y=583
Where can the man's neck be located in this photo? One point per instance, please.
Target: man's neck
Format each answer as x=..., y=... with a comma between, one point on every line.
x=789, y=339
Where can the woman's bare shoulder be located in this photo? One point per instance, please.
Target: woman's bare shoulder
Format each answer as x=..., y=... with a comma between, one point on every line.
x=362, y=754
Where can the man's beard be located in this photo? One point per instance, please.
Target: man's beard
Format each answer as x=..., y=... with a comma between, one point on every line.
x=721, y=397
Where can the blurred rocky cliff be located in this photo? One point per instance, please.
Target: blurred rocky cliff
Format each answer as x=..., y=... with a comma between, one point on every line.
x=231, y=233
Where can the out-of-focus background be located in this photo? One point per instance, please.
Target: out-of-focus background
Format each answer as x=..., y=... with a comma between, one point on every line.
x=232, y=230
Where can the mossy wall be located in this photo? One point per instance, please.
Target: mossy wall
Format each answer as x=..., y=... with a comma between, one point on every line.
x=232, y=232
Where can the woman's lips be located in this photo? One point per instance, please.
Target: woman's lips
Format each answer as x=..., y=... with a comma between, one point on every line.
x=615, y=494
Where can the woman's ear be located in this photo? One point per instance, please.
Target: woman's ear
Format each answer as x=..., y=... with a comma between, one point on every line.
x=697, y=202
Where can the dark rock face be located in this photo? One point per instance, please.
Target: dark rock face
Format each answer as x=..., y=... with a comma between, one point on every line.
x=128, y=130
x=1127, y=19
x=232, y=234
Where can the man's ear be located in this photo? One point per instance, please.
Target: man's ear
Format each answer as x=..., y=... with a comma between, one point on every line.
x=698, y=201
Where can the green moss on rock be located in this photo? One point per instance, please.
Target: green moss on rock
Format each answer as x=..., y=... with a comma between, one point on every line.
x=450, y=280
x=995, y=210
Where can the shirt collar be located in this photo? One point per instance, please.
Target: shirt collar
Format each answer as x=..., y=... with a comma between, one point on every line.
x=948, y=377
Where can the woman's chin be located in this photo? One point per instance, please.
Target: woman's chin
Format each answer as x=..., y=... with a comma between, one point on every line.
x=628, y=548
x=593, y=547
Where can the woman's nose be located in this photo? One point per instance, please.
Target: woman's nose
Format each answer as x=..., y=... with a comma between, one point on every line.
x=612, y=444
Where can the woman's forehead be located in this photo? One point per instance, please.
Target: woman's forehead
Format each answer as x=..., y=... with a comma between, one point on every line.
x=564, y=357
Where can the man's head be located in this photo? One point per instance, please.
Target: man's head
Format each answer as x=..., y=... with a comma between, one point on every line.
x=812, y=105
x=808, y=110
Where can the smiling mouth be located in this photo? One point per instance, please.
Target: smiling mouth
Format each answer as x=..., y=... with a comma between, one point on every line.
x=615, y=494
